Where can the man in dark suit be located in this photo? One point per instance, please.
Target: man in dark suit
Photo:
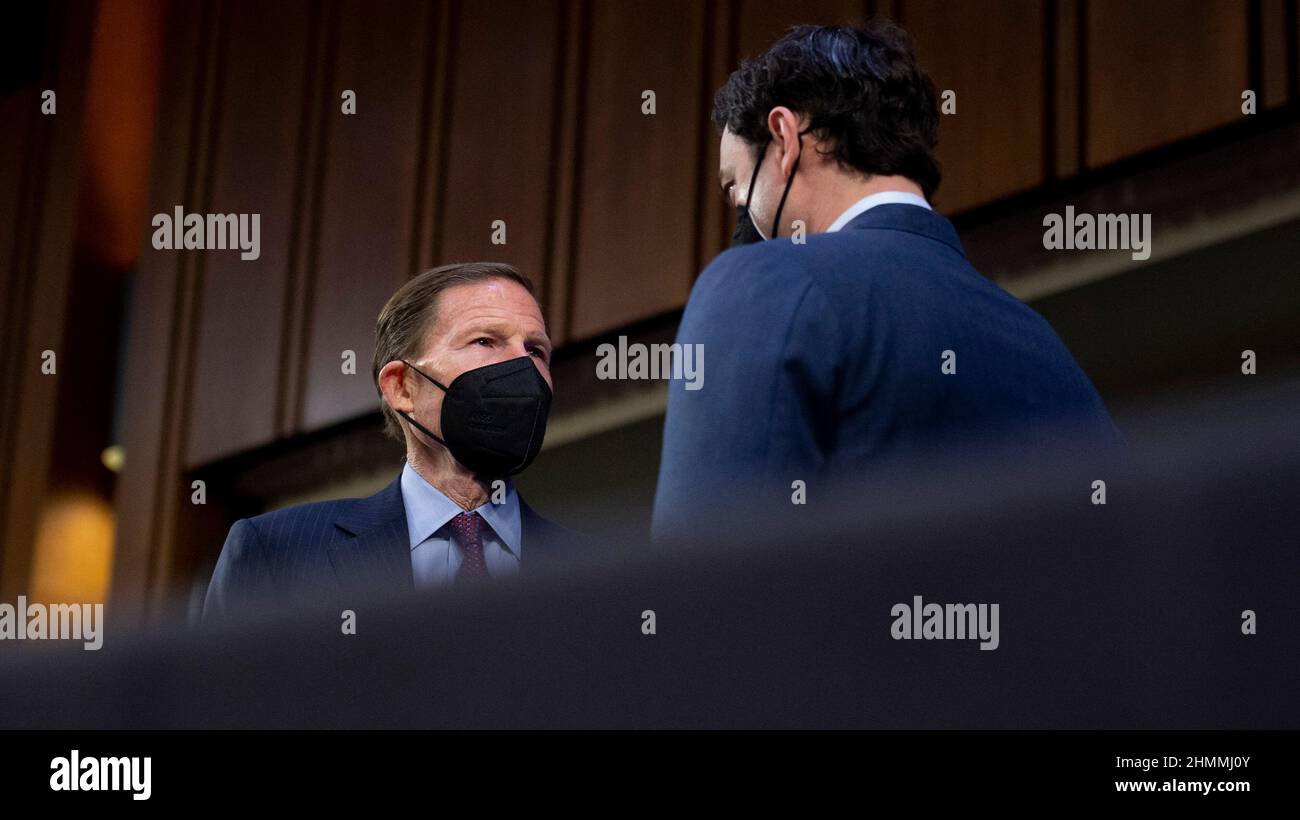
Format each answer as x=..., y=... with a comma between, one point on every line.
x=462, y=365
x=857, y=333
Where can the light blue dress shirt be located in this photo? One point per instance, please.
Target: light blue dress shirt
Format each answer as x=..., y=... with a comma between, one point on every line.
x=872, y=200
x=435, y=555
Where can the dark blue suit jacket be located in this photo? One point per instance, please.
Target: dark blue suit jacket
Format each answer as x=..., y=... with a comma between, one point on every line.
x=824, y=359
x=353, y=545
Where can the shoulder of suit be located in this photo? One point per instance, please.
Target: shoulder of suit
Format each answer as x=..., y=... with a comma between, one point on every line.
x=324, y=511
x=778, y=268
x=831, y=262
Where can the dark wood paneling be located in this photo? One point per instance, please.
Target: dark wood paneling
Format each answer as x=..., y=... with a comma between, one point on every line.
x=717, y=218
x=434, y=143
x=238, y=360
x=500, y=127
x=1065, y=95
x=18, y=111
x=1160, y=71
x=366, y=201
x=1272, y=36
x=151, y=487
x=575, y=55
x=992, y=56
x=24, y=149
x=636, y=207
x=761, y=22
x=40, y=205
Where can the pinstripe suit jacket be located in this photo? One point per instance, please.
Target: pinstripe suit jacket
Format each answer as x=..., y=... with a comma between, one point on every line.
x=354, y=545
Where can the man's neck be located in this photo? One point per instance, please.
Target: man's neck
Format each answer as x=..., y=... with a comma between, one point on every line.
x=448, y=477
x=844, y=191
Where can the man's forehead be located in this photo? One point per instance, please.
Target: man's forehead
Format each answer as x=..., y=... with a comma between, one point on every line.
x=734, y=152
x=728, y=155
x=489, y=293
x=727, y=144
x=493, y=300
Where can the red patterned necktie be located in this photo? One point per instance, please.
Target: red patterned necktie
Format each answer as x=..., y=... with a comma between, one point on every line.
x=468, y=529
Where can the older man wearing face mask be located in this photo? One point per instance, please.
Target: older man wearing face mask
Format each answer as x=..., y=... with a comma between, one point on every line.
x=462, y=365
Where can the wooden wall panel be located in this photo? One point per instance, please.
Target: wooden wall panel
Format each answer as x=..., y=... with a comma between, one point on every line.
x=367, y=197
x=569, y=96
x=152, y=487
x=501, y=129
x=1161, y=70
x=717, y=218
x=634, y=254
x=24, y=176
x=18, y=110
x=1066, y=84
x=1273, y=53
x=41, y=174
x=241, y=313
x=992, y=56
x=761, y=22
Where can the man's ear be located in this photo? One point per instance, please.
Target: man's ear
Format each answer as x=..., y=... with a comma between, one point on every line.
x=393, y=384
x=783, y=126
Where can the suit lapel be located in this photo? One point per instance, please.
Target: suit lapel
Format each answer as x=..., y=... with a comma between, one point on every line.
x=374, y=547
x=529, y=533
x=543, y=540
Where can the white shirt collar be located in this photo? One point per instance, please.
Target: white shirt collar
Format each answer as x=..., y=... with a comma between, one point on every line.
x=872, y=200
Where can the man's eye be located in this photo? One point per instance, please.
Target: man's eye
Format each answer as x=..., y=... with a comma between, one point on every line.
x=538, y=352
x=483, y=339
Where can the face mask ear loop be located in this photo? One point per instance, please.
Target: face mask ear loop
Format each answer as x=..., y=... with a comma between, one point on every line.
x=436, y=383
x=421, y=427
x=776, y=221
x=408, y=417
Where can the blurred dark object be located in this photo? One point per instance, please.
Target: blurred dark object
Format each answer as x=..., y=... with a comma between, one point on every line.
x=1126, y=615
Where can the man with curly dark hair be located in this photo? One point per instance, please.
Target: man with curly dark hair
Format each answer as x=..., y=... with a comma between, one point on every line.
x=868, y=109
x=858, y=333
